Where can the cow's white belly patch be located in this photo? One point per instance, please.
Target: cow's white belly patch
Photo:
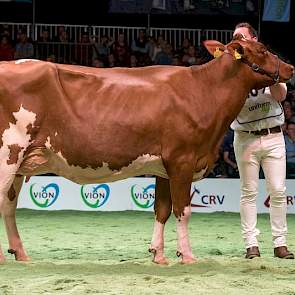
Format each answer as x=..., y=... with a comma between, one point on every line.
x=50, y=161
x=145, y=164
x=15, y=134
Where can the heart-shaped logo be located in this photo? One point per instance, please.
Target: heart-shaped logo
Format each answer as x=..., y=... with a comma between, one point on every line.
x=45, y=196
x=95, y=196
x=143, y=197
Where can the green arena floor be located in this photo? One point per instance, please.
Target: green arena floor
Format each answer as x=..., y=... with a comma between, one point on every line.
x=106, y=253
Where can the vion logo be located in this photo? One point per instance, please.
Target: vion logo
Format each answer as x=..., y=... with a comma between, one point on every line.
x=289, y=199
x=205, y=201
x=95, y=196
x=143, y=197
x=45, y=196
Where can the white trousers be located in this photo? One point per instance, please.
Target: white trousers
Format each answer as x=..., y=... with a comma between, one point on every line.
x=268, y=152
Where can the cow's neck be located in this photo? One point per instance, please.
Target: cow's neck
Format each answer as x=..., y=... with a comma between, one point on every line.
x=227, y=88
x=229, y=84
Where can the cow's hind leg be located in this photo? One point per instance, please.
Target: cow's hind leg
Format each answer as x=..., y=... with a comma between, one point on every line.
x=6, y=180
x=180, y=186
x=8, y=215
x=163, y=207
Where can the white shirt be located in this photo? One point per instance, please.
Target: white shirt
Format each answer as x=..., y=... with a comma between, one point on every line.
x=260, y=111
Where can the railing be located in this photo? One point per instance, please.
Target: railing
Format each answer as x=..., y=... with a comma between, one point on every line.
x=174, y=36
x=73, y=53
x=15, y=27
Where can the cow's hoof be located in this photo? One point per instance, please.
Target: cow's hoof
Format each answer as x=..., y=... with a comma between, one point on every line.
x=161, y=260
x=19, y=255
x=2, y=259
x=188, y=260
x=22, y=258
x=158, y=258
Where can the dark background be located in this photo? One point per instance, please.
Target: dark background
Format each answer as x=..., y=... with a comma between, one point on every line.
x=96, y=12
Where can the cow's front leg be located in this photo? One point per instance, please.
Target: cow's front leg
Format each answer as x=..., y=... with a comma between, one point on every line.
x=180, y=186
x=2, y=257
x=8, y=214
x=162, y=207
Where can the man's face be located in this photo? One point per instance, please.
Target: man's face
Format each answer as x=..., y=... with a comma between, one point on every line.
x=245, y=32
x=291, y=131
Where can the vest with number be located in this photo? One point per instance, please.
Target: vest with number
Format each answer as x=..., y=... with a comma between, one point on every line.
x=259, y=111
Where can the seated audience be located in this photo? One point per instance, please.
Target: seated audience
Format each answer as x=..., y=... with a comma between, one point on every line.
x=290, y=149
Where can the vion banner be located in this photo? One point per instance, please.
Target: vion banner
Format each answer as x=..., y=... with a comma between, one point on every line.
x=138, y=193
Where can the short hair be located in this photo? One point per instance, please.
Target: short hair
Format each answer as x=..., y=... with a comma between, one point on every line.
x=252, y=31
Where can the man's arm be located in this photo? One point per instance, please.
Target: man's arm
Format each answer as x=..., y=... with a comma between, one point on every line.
x=278, y=91
x=228, y=160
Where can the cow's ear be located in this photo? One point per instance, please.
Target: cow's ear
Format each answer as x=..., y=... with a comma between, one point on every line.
x=236, y=49
x=215, y=48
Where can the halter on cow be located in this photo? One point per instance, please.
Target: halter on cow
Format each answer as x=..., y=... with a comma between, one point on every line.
x=159, y=120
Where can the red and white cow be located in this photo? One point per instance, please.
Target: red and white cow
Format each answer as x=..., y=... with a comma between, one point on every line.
x=100, y=125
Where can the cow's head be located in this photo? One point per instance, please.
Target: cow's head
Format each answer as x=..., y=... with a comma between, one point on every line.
x=265, y=67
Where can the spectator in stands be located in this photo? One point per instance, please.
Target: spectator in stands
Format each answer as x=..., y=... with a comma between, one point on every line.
x=97, y=63
x=6, y=32
x=292, y=81
x=139, y=47
x=62, y=35
x=102, y=48
x=183, y=50
x=290, y=149
x=24, y=48
x=291, y=97
x=133, y=61
x=165, y=57
x=19, y=32
x=120, y=50
x=63, y=51
x=111, y=61
x=6, y=49
x=44, y=36
x=176, y=60
x=204, y=55
x=190, y=58
x=289, y=113
x=43, y=49
x=83, y=51
x=229, y=155
x=219, y=168
x=151, y=44
x=156, y=47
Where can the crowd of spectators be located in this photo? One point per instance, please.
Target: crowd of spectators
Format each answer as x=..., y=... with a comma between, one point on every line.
x=106, y=52
x=102, y=51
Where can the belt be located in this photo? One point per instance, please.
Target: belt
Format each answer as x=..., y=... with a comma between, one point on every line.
x=265, y=131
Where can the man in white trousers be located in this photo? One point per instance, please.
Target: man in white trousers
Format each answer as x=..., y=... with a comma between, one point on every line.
x=259, y=141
